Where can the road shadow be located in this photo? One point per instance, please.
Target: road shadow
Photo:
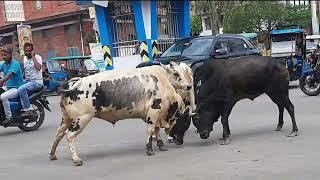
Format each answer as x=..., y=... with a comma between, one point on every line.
x=294, y=86
x=239, y=137
x=17, y=131
x=114, y=153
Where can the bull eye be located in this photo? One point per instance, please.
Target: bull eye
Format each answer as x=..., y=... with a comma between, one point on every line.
x=176, y=74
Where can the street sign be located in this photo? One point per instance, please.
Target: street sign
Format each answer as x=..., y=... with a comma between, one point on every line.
x=14, y=11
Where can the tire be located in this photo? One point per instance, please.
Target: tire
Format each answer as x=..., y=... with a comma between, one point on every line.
x=40, y=118
x=303, y=82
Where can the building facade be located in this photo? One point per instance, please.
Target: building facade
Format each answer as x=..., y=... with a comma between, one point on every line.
x=135, y=31
x=59, y=28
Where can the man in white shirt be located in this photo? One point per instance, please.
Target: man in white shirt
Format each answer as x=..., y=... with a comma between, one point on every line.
x=32, y=64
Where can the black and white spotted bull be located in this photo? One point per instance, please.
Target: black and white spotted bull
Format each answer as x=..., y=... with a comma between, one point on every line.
x=187, y=96
x=148, y=93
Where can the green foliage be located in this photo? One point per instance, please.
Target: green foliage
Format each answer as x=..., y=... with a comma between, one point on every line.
x=196, y=25
x=257, y=16
x=298, y=15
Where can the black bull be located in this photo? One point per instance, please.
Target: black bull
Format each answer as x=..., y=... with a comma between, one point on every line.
x=221, y=83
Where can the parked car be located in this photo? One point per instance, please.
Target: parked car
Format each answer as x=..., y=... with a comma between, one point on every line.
x=195, y=50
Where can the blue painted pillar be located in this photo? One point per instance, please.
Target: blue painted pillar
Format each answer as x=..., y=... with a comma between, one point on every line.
x=140, y=30
x=104, y=23
x=184, y=18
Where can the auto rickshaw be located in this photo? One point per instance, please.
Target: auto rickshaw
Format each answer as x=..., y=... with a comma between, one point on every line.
x=61, y=69
x=289, y=46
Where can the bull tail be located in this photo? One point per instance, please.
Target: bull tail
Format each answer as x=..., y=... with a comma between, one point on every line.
x=74, y=82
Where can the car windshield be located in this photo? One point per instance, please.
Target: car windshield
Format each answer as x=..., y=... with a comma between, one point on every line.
x=198, y=47
x=283, y=37
x=176, y=49
x=53, y=66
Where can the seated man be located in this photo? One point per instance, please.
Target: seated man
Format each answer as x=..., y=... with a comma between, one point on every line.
x=32, y=64
x=12, y=79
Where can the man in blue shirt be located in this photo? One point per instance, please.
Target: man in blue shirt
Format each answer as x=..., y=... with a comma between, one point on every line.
x=11, y=81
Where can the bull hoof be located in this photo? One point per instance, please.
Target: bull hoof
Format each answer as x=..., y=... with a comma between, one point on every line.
x=225, y=141
x=78, y=163
x=150, y=152
x=170, y=141
x=279, y=127
x=52, y=157
x=162, y=148
x=293, y=134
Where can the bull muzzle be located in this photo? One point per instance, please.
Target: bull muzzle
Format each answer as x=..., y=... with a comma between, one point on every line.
x=205, y=134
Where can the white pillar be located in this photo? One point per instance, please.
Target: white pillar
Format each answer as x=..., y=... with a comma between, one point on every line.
x=315, y=22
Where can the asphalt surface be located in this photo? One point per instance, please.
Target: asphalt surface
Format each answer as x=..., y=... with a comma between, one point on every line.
x=256, y=150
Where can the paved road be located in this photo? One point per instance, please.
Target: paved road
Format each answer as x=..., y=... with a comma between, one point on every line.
x=256, y=151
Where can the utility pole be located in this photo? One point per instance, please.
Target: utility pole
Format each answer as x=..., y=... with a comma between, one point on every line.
x=314, y=18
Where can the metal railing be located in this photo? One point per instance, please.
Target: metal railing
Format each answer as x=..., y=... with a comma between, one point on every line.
x=123, y=28
x=168, y=27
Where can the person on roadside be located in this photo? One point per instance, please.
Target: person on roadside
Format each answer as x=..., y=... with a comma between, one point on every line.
x=32, y=65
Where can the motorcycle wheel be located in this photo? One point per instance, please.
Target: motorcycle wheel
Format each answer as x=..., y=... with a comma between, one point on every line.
x=38, y=108
x=308, y=88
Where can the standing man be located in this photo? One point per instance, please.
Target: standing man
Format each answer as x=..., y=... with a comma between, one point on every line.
x=12, y=80
x=32, y=64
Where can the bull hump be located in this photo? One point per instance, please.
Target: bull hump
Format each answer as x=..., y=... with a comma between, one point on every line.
x=118, y=93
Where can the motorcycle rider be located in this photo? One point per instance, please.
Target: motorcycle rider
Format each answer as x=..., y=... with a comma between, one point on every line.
x=11, y=81
x=32, y=64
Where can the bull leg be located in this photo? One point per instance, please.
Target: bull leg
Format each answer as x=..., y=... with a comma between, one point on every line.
x=277, y=100
x=151, y=130
x=159, y=140
x=60, y=134
x=225, y=123
x=280, y=121
x=75, y=129
x=284, y=102
x=290, y=108
x=169, y=138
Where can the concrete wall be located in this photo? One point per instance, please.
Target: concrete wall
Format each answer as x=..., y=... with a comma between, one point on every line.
x=126, y=62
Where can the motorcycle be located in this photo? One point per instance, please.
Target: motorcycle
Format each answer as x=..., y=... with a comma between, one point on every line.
x=309, y=81
x=26, y=123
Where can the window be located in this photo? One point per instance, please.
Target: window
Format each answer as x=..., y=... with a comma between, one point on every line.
x=47, y=33
x=222, y=44
x=4, y=40
x=73, y=51
x=198, y=47
x=37, y=5
x=71, y=29
x=237, y=45
x=50, y=54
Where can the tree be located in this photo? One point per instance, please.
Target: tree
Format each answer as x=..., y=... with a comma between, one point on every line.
x=258, y=16
x=196, y=25
x=214, y=10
